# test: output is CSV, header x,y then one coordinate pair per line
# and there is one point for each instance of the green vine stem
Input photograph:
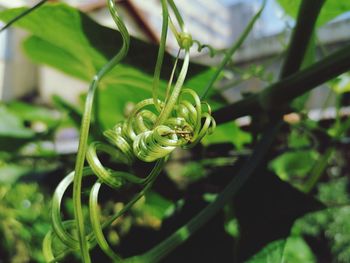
x,y
85,125
301,41
288,88
308,12
161,52
230,52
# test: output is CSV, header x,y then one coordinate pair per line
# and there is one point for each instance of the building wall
x,y
18,76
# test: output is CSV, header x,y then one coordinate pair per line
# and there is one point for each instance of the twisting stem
x,y
85,125
232,50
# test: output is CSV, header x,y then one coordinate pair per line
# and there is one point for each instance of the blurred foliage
x,y
294,164
24,221
341,84
332,223
331,10
229,132
294,249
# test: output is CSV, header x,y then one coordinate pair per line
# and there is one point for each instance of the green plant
x,y
157,125
144,135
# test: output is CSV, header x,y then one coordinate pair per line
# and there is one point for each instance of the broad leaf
x,y
11,173
31,113
153,205
79,47
229,132
330,10
298,163
13,133
294,249
11,125
272,253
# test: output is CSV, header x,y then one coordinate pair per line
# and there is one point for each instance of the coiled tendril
x,y
151,132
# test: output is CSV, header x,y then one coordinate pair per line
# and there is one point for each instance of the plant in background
x,y
24,221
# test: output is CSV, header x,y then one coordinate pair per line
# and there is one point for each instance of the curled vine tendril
x,y
151,132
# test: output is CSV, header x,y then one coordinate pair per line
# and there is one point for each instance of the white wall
x,y
18,76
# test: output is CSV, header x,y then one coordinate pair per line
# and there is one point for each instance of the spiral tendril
x,y
153,130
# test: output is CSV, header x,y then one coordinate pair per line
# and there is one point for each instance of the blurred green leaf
x,y
272,253
155,205
33,113
331,9
9,173
298,139
13,133
12,126
42,51
298,163
79,47
232,227
294,249
341,84
229,132
297,250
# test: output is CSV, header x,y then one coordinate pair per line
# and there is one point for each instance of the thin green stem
x,y
161,52
177,15
20,16
85,126
176,91
232,50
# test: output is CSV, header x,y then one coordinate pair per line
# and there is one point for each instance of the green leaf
x,y
229,132
297,139
11,125
41,51
297,250
341,84
154,205
297,163
11,173
79,47
294,249
331,9
29,112
272,253
13,134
